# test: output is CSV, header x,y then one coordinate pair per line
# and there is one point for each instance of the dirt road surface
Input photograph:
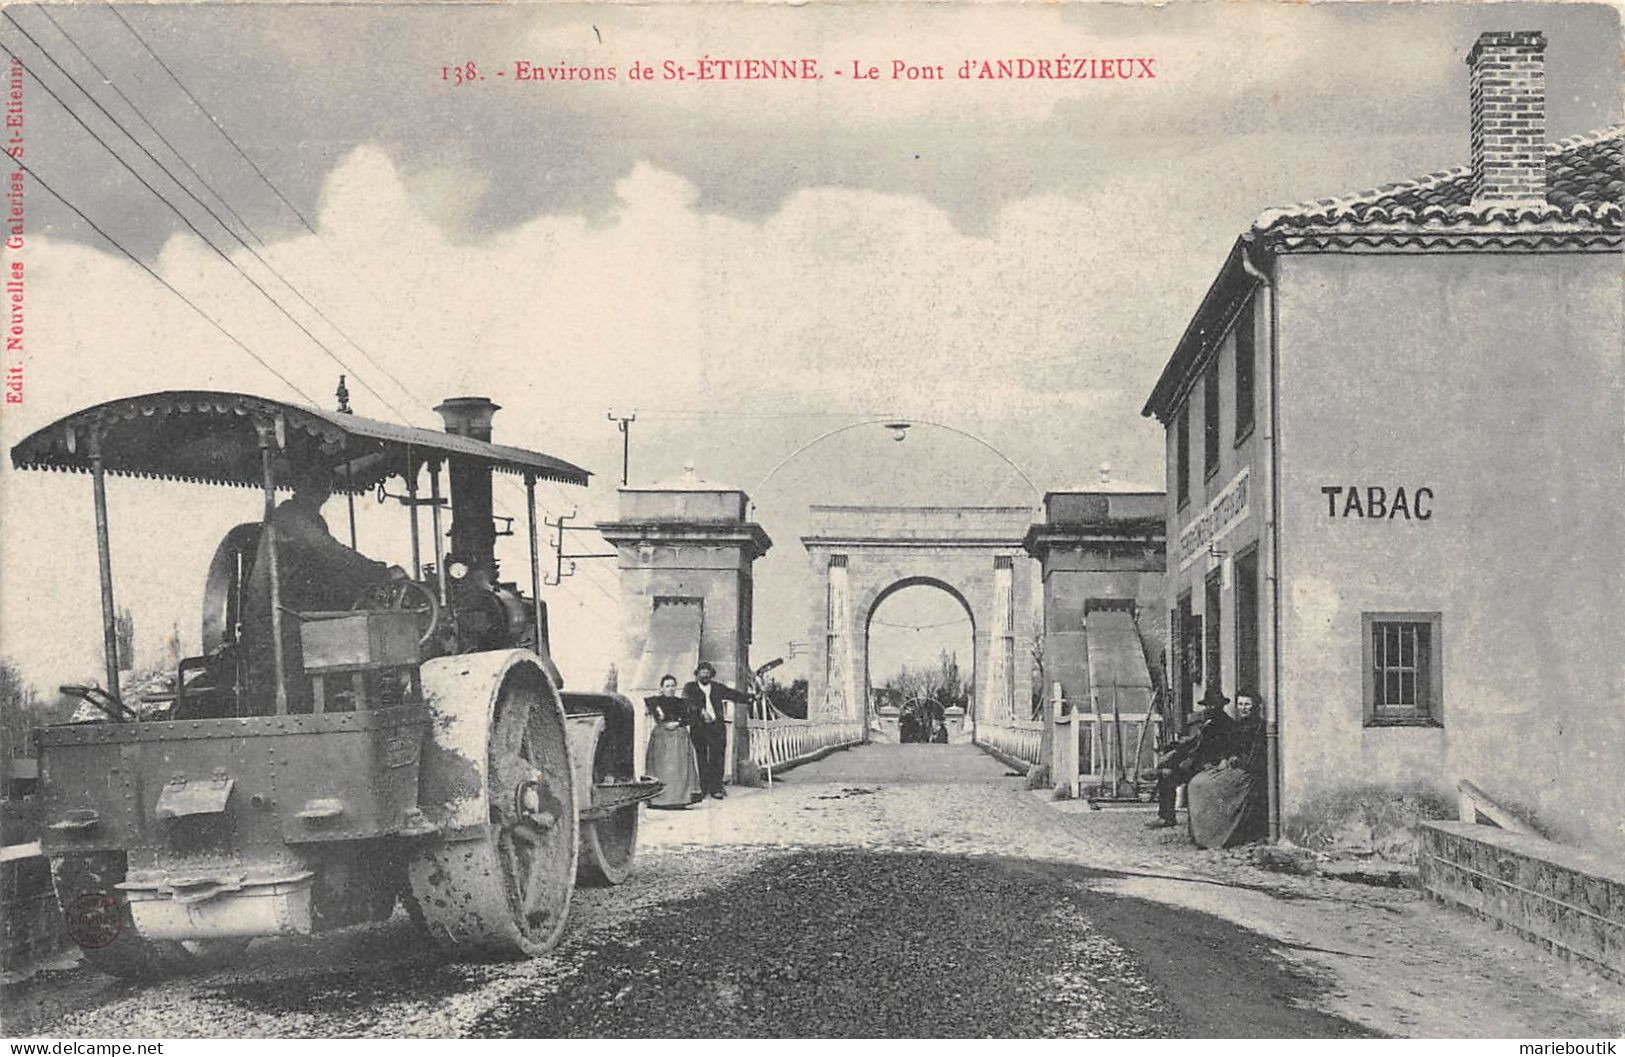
x,y
903,891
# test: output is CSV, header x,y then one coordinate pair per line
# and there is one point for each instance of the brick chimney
x,y
1506,84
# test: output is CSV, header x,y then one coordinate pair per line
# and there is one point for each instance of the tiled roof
x,y
1584,211
1585,179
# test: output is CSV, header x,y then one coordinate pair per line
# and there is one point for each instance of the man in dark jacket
x,y
315,573
1202,747
704,699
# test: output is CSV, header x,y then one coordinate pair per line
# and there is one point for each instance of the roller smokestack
x,y
473,530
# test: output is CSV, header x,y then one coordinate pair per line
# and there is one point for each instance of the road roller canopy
x,y
215,438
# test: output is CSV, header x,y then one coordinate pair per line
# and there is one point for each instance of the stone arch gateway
x,y
862,554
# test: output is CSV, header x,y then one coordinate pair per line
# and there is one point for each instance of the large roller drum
x,y
497,778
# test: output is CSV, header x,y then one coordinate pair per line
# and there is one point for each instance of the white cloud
x,y
841,298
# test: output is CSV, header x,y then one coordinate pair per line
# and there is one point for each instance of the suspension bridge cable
x,y
107,79
193,227
97,228
921,627
218,127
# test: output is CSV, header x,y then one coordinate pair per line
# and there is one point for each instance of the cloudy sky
x,y
748,265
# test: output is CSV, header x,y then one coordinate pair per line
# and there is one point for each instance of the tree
x,y
927,693
124,633
789,700
942,683
19,708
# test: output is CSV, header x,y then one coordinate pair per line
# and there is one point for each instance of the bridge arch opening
x,y
919,647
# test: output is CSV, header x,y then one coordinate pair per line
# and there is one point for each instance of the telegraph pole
x,y
624,423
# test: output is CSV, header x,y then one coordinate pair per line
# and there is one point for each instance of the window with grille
x,y
1402,678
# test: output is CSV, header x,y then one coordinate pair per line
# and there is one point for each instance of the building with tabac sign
x,y
1393,474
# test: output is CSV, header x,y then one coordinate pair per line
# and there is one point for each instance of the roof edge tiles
x,y
1584,187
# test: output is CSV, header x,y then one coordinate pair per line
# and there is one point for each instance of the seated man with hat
x,y
1202,747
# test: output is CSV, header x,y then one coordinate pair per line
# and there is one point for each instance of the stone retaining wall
x,y
1567,900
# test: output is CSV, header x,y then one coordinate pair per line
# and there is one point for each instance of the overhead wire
x,y
176,209
297,292
673,413
207,241
212,120
116,244
108,80
360,378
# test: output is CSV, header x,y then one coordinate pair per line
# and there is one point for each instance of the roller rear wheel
x,y
506,893
608,845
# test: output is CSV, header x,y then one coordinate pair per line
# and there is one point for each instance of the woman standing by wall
x,y
671,750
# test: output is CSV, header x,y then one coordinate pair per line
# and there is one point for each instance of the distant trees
x,y
926,693
940,683
19,707
124,633
789,700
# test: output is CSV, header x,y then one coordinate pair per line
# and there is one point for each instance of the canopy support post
x,y
411,474
268,475
343,394
439,534
104,562
349,499
535,563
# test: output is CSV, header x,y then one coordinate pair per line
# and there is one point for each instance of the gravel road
x,y
893,890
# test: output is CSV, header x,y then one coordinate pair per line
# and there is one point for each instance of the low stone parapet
x,y
1567,900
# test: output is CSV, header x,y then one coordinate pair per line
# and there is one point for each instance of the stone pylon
x,y
686,549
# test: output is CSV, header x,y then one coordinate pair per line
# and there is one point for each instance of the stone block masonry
x,y
1569,901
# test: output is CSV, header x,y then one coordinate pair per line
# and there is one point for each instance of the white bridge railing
x,y
780,743
1020,738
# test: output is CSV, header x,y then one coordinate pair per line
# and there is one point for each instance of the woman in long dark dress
x,y
1227,800
671,750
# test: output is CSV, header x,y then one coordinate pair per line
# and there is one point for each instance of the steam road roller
x,y
353,734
